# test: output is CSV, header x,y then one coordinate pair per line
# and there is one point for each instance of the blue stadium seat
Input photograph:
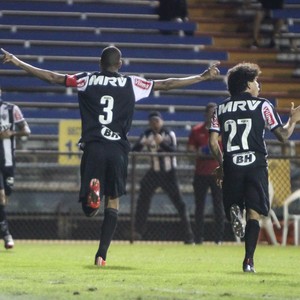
x,y
106,37
295,27
135,67
94,50
94,21
24,81
287,2
51,113
39,97
286,13
78,7
43,129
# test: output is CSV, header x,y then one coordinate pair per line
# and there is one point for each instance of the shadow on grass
x,y
113,268
258,273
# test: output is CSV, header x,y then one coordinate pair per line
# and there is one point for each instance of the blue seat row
x,y
51,113
28,82
286,13
39,97
94,21
295,28
87,6
287,2
200,100
108,37
94,50
137,67
43,129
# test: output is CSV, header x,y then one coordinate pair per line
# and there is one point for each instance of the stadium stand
x,y
68,36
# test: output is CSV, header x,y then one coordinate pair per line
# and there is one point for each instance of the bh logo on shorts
x,y
109,134
244,159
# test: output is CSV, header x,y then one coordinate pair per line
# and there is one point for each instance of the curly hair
x,y
239,76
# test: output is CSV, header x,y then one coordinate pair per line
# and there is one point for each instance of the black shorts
x,y
248,188
108,162
271,4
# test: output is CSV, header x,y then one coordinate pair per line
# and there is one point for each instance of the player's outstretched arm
x,y
46,75
172,83
283,133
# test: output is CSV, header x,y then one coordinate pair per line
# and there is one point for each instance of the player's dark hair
x,y
110,56
239,76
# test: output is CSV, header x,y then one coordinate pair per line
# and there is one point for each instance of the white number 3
x,y
108,103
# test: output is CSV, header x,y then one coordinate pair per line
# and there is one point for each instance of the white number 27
x,y
231,126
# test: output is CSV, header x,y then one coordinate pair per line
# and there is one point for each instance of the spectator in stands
x,y
173,10
12,125
162,173
204,178
265,14
106,102
241,120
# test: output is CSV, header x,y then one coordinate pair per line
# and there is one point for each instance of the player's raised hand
x,y
7,57
295,113
211,72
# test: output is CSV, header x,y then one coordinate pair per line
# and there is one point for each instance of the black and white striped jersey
x,y
10,116
169,144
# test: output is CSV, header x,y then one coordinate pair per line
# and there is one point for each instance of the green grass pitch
x,y
65,270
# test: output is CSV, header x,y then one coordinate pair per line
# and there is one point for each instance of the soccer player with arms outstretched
x,y
106,102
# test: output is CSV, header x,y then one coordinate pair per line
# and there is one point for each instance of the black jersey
x,y
169,144
242,122
106,102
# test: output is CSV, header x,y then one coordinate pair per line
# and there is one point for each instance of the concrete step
x,y
256,56
219,25
288,85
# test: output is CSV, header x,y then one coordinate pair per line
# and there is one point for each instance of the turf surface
x,y
55,270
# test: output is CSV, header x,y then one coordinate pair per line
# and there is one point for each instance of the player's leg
x,y
259,16
92,173
251,237
218,209
148,185
200,186
107,230
233,199
6,183
169,184
8,240
116,160
257,204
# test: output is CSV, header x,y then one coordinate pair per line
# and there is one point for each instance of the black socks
x,y
107,231
251,237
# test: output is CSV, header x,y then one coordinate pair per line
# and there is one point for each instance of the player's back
x,y
242,121
106,105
